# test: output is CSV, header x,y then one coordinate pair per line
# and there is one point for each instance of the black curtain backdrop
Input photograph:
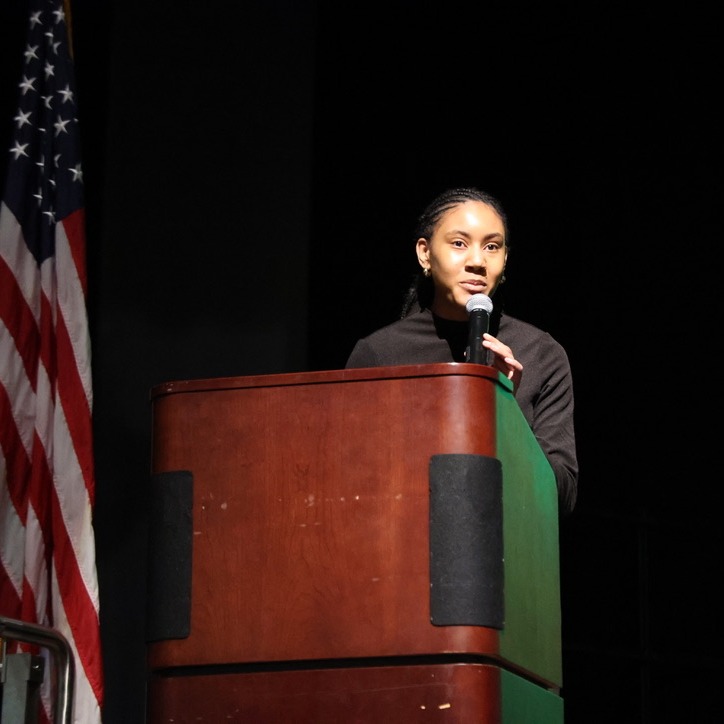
x,y
253,173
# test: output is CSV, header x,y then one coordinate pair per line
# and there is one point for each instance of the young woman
x,y
461,248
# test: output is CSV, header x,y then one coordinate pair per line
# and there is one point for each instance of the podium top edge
x,y
359,374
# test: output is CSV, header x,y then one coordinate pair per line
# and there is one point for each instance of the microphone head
x,y
479,302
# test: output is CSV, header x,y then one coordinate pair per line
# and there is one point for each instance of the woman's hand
x,y
504,360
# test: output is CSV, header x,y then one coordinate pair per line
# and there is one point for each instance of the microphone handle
x,y
477,326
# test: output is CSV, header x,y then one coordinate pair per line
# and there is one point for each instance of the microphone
x,y
479,307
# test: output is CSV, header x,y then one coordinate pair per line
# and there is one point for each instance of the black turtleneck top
x,y
545,393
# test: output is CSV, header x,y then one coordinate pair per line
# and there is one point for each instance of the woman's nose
x,y
476,256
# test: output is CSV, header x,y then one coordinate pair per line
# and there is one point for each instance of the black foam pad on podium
x,y
170,547
466,541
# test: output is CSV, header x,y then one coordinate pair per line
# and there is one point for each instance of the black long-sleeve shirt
x,y
545,393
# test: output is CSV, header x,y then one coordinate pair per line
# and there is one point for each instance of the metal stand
x,y
21,677
22,674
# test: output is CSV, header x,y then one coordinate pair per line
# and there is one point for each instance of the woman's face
x,y
466,255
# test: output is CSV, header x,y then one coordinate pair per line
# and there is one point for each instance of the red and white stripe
x,y
47,487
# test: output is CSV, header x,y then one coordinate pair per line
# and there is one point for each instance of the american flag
x,y
47,485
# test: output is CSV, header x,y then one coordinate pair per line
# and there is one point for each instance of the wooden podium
x,y
364,545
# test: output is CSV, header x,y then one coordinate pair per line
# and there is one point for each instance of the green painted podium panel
x,y
524,702
532,634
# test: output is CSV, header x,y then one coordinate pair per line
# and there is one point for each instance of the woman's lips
x,y
475,286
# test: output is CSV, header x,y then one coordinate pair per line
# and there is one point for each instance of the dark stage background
x,y
252,175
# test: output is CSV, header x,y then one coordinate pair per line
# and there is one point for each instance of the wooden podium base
x,y
370,695
454,693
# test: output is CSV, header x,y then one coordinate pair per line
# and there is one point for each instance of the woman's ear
x,y
423,253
